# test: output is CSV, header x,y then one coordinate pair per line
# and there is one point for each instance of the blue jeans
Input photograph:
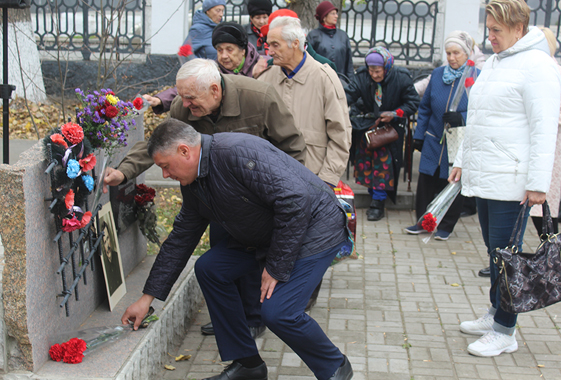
x,y
497,220
283,313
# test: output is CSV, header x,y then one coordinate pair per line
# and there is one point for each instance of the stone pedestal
x,y
30,285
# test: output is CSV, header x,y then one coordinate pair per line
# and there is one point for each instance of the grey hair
x,y
291,30
169,134
205,72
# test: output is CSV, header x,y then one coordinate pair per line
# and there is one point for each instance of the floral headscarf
x,y
388,64
385,53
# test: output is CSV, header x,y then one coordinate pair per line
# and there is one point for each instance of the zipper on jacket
x,y
509,155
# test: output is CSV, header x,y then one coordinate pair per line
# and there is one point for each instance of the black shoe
x,y
256,332
376,211
207,329
345,372
236,371
485,272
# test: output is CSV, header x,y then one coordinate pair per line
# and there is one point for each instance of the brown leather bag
x,y
378,136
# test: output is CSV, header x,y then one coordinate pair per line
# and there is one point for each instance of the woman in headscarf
x,y
259,11
430,138
331,42
385,91
204,21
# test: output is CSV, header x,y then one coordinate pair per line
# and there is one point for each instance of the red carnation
x,y
470,62
74,350
58,139
56,352
429,222
469,82
69,199
185,50
111,112
69,225
138,103
72,132
399,112
85,219
88,163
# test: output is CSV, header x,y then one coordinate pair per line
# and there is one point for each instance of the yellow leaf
x,y
541,365
453,253
169,367
454,284
181,358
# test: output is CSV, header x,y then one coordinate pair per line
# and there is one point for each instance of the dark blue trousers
x,y
497,220
283,313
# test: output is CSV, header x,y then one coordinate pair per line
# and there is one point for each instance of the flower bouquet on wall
x,y
455,136
71,183
105,119
438,208
146,213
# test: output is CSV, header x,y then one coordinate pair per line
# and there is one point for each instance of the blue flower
x,y
88,181
72,169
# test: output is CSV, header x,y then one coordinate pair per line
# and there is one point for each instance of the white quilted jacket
x,y
511,129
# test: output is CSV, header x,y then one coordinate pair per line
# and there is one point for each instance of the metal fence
x,y
90,25
407,28
545,13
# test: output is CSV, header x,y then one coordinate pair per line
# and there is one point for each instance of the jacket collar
x,y
230,106
206,141
301,75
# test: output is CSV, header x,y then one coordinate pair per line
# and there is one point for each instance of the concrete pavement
x,y
396,312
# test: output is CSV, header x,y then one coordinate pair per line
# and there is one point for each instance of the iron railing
x,y
546,13
407,28
90,26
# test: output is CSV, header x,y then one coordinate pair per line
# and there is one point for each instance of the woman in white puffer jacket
x,y
508,149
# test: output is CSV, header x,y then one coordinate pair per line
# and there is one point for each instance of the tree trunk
x,y
24,65
306,10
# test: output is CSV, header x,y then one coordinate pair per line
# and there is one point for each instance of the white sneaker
x,y
480,326
493,344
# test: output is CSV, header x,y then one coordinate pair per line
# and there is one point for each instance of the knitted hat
x,y
460,38
230,32
274,15
323,9
374,59
259,7
208,4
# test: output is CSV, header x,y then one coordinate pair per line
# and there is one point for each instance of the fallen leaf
x,y
541,365
454,284
169,367
181,358
453,253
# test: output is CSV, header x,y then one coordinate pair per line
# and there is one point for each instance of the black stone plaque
x,y
122,203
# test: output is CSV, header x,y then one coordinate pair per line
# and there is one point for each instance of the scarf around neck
x,y
450,74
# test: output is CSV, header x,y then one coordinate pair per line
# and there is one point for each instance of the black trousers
x,y
428,187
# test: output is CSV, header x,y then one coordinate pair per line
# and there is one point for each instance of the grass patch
x,y
168,203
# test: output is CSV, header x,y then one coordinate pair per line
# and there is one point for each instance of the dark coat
x,y
397,92
200,36
333,44
252,39
430,125
267,201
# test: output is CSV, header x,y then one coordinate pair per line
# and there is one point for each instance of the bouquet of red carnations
x,y
438,208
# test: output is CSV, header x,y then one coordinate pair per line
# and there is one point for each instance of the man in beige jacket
x,y
314,95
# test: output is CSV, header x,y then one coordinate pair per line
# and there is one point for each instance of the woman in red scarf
x,y
330,42
259,11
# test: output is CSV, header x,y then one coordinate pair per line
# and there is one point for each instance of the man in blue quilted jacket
x,y
282,219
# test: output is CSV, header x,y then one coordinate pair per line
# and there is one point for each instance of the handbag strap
x,y
547,228
517,230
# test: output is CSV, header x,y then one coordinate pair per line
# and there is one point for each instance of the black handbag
x,y
529,281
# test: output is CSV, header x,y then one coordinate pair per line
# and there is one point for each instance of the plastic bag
x,y
438,208
346,197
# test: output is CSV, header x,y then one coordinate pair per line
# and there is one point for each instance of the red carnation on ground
x,y
85,219
399,112
429,222
470,62
69,199
88,163
138,103
72,132
469,82
185,50
69,225
56,352
58,139
111,112
74,350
